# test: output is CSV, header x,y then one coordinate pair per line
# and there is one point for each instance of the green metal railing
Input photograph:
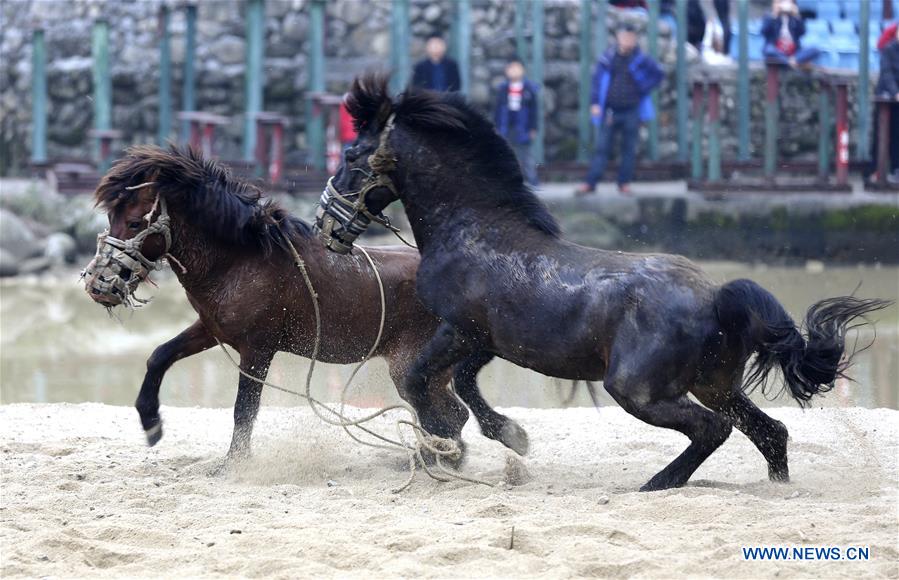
x,y
102,82
165,77
38,97
315,119
537,74
188,94
255,77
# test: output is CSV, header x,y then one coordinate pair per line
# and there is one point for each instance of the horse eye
x,y
352,153
134,225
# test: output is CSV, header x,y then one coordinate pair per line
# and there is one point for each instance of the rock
x,y
9,266
229,49
432,13
294,27
353,13
603,500
60,248
34,265
16,237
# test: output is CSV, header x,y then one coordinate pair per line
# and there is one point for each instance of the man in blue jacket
x,y
515,116
621,100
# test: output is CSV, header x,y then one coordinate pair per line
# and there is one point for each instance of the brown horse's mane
x,y
451,115
204,191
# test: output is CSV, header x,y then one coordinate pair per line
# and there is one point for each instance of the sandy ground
x,y
83,496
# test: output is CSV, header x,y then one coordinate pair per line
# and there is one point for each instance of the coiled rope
x,y
440,447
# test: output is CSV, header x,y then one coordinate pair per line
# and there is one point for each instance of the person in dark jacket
x,y
783,30
621,98
515,115
437,72
888,87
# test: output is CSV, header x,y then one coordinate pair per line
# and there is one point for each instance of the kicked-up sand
x,y
82,496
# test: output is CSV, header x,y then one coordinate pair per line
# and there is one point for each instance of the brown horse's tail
x,y
810,363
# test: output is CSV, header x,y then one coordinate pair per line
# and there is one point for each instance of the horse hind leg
x,y
768,435
494,425
705,429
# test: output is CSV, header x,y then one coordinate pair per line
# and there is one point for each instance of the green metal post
x,y
165,77
824,135
254,74
714,108
864,84
188,98
698,116
399,44
38,98
102,82
586,60
681,80
743,82
772,89
521,45
537,56
462,42
653,34
315,115
602,29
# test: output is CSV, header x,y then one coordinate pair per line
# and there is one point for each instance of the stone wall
x,y
357,38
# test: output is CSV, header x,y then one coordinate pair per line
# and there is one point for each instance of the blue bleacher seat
x,y
817,27
852,10
756,43
844,28
829,9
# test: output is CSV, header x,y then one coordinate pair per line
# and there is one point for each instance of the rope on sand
x,y
440,447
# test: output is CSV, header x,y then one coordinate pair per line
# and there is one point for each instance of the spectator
x,y
695,23
620,97
783,30
516,116
888,87
437,72
716,38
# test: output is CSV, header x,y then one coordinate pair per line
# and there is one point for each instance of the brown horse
x,y
227,248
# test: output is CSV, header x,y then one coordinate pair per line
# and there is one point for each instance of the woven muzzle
x,y
119,266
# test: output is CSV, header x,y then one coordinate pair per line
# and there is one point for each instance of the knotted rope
x,y
440,447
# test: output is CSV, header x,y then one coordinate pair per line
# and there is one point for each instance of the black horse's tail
x,y
810,363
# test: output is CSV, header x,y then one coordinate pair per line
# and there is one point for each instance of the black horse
x,y
497,273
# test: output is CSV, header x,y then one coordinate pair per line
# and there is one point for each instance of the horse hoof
x,y
779,475
154,434
659,484
515,438
454,462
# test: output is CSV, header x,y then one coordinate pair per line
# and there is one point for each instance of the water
x,y
58,346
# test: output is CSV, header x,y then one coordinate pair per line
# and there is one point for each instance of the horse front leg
x,y
255,363
439,410
195,338
494,425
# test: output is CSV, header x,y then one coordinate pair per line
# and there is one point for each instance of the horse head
x,y
138,237
174,204
364,183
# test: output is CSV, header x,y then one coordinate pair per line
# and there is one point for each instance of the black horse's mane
x,y
452,117
226,207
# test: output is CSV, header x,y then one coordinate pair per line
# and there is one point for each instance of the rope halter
x,y
120,265
343,217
